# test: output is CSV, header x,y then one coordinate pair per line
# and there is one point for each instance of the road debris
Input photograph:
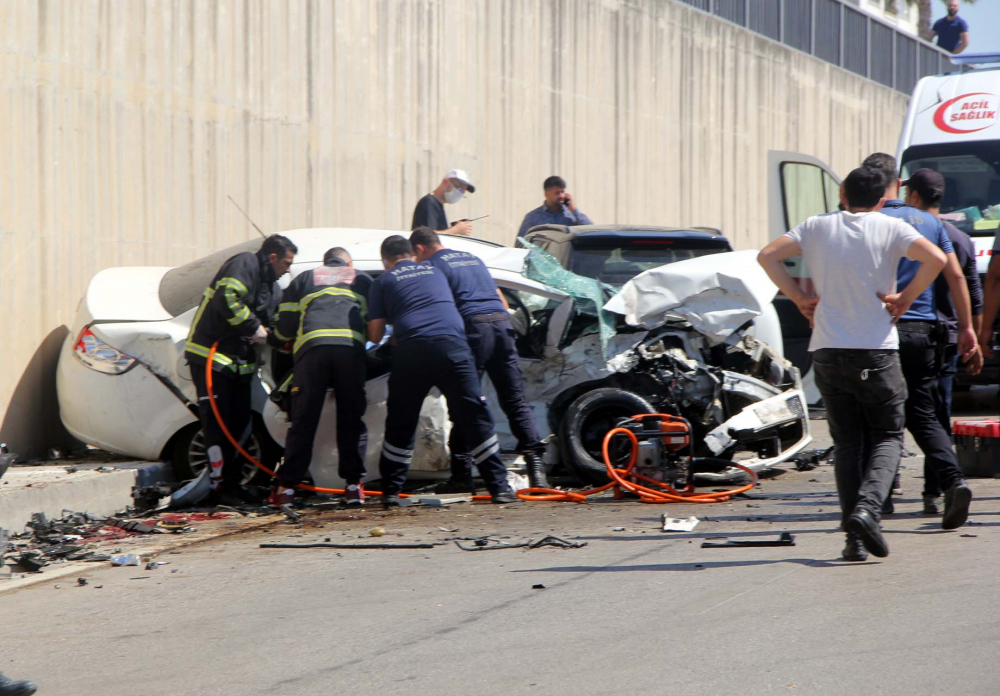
x,y
784,539
674,524
539,586
377,532
489,543
81,581
325,545
810,459
131,559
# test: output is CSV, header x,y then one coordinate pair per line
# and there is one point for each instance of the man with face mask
x,y
952,32
430,209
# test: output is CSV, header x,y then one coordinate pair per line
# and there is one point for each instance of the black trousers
x,y
864,393
232,396
495,353
446,363
918,355
342,368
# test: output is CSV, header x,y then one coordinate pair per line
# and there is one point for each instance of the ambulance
x,y
952,128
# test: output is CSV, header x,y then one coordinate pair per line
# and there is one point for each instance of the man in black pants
x,y
431,351
324,311
920,335
235,312
853,256
925,191
491,338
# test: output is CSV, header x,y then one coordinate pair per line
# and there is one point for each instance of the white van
x,y
952,128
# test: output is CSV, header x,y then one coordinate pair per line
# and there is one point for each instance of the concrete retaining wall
x,y
125,124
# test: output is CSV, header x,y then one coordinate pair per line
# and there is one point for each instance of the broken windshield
x,y
589,294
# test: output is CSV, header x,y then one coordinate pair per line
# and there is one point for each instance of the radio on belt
x,y
977,443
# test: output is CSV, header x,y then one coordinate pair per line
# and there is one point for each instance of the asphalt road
x,y
637,611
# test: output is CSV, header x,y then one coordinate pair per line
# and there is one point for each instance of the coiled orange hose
x,y
666,494
663,493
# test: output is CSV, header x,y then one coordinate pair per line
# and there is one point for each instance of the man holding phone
x,y
559,208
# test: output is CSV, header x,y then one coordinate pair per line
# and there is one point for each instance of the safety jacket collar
x,y
266,269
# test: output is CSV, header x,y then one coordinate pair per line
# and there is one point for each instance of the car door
x,y
799,186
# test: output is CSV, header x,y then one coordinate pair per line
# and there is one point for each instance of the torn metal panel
x,y
717,294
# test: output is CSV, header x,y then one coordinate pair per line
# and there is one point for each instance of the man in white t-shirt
x,y
853,256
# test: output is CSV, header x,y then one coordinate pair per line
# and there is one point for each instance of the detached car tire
x,y
587,421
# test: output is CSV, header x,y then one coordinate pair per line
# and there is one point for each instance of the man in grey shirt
x,y
853,256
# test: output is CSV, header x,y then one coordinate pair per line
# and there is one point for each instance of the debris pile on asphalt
x,y
77,536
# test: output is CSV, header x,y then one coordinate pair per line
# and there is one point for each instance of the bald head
x,y
338,253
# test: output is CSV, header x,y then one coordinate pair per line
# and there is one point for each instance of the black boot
x,y
16,688
536,470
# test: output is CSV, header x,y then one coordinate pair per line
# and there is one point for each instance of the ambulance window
x,y
804,192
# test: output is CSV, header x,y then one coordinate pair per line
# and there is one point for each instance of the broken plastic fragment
x,y
674,524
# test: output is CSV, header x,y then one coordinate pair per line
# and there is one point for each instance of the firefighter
x,y
430,351
491,338
235,311
323,312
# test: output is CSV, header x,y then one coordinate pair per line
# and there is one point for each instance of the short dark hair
x,y
336,253
425,236
554,182
883,163
278,244
395,246
864,187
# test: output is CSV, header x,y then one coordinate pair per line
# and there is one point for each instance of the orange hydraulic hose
x,y
664,493
667,494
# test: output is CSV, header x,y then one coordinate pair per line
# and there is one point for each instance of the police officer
x,y
430,351
235,311
324,311
491,338
920,335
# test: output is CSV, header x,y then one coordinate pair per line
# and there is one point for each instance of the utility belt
x,y
489,318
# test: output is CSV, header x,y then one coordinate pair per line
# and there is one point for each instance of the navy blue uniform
x,y
430,351
919,335
491,338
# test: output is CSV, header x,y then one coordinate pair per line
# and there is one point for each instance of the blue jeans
x,y
864,393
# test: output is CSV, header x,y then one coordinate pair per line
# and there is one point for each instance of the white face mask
x,y
454,196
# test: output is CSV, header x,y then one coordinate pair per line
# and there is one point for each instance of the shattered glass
x,y
589,294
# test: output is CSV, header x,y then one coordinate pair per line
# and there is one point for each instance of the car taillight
x,y
99,356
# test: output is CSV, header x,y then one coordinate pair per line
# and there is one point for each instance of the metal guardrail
x,y
834,31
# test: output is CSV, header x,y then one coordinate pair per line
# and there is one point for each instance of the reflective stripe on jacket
x,y
325,306
232,308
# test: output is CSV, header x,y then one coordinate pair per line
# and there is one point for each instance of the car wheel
x,y
190,455
587,421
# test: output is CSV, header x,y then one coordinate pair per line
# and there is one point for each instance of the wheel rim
x,y
198,456
593,430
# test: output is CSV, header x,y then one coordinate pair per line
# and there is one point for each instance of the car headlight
x,y
99,356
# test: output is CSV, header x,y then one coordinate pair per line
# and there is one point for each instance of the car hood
x,y
717,294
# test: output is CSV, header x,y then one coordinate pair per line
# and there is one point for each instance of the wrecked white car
x,y
124,386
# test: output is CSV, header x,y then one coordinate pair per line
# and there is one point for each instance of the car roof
x,y
630,231
365,244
